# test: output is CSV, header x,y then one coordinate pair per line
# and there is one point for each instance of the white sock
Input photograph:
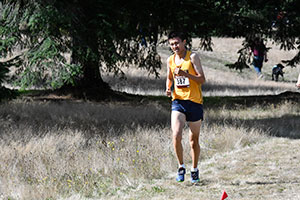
x,y
181,166
194,169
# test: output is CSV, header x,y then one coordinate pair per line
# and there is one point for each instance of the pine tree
x,y
67,43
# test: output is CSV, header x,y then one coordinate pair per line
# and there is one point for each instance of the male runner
x,y
184,70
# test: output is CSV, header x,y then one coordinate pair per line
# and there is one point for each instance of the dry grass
x,y
86,150
221,81
55,150
116,151
63,163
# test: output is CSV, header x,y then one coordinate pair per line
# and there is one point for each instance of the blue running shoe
x,y
180,174
195,176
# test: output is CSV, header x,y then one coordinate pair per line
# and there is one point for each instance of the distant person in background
x,y
298,82
276,71
259,51
184,69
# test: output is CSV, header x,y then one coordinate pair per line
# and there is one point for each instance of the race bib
x,y
182,81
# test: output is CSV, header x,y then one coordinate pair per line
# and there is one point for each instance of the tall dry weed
x,y
65,162
58,150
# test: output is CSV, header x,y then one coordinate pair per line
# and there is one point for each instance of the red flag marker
x,y
224,195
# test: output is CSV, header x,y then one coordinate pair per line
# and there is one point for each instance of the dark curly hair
x,y
179,34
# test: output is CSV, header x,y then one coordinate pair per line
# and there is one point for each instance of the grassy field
x,y
221,81
122,150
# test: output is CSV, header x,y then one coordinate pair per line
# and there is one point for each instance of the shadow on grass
x,y
136,111
287,126
92,119
247,101
284,126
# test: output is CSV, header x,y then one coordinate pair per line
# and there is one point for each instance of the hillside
x,y
221,81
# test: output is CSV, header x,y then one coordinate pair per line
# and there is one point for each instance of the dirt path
x,y
269,170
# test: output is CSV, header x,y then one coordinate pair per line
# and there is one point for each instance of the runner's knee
x,y
177,136
194,142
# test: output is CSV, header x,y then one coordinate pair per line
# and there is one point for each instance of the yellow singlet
x,y
185,88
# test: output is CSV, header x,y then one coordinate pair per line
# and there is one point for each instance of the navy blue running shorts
x,y
193,111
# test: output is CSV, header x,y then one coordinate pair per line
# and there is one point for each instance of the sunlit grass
x,y
220,80
66,162
58,150
86,150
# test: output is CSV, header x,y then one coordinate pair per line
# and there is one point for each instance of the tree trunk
x,y
90,85
85,52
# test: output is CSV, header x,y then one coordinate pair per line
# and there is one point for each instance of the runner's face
x,y
177,45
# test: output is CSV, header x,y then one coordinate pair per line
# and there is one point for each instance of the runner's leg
x,y
194,141
177,123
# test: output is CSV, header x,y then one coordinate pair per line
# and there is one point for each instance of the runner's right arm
x,y
169,80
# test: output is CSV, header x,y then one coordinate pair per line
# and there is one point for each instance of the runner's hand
x,y
179,72
168,92
176,71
